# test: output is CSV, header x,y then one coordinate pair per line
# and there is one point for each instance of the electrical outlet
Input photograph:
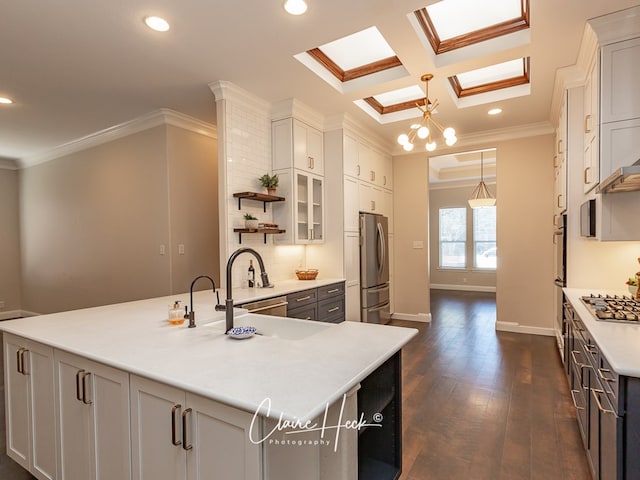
x,y
1,304
181,249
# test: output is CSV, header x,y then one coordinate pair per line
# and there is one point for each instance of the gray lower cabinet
x,y
325,304
607,404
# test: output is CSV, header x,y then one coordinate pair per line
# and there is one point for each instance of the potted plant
x,y
250,221
270,182
632,284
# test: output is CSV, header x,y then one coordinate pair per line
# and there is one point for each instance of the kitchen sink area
x,y
275,327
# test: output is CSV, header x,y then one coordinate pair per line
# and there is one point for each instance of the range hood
x,y
624,179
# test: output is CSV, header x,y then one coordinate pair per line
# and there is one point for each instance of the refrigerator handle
x,y
382,249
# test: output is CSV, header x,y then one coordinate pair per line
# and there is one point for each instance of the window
x,y
484,237
453,237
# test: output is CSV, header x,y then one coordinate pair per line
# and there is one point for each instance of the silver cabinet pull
x,y
185,445
302,299
333,290
573,398
334,309
174,441
575,360
373,175
78,391
25,364
384,180
560,146
358,169
596,393
20,363
592,349
586,175
260,309
84,389
559,202
587,124
602,371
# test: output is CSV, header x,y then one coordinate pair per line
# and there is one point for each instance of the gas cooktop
x,y
608,308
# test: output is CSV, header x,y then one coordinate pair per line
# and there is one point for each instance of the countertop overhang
x,y
297,378
618,342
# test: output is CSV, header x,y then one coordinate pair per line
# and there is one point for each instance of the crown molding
x,y
348,122
149,120
224,90
617,26
292,107
8,164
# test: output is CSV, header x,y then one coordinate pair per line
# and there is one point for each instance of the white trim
x,y
149,120
465,288
8,164
292,107
16,314
224,90
347,122
517,328
412,317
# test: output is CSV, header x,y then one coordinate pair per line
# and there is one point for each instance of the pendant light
x,y
425,128
481,196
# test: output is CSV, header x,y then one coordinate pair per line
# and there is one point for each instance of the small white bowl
x,y
241,332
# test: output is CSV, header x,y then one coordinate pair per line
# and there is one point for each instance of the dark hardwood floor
x,y
485,405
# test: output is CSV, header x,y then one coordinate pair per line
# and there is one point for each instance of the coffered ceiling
x,y
74,68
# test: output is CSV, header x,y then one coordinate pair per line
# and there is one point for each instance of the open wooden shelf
x,y
258,197
264,231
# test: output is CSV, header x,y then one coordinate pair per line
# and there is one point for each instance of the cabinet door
x,y
93,419
156,431
221,440
352,275
366,197
386,179
350,153
351,205
620,73
591,166
17,402
307,148
317,209
620,145
30,420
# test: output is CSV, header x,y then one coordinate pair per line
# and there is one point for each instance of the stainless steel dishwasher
x,y
276,306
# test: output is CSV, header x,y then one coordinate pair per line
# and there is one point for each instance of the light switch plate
x,y
417,244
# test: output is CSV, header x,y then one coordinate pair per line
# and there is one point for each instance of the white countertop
x,y
618,342
300,377
245,294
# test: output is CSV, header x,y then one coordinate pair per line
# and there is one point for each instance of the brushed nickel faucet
x,y
229,300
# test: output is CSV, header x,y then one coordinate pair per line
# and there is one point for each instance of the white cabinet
x,y
302,213
559,159
351,156
591,122
351,205
93,419
620,145
620,73
177,435
296,144
352,275
30,411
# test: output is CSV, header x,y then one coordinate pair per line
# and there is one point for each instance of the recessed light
x,y
157,23
5,100
494,111
295,7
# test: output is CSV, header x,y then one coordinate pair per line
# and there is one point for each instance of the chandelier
x,y
425,128
481,196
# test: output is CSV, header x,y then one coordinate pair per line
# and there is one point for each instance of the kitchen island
x,y
117,392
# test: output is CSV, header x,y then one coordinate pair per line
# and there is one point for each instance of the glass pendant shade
x,y
481,196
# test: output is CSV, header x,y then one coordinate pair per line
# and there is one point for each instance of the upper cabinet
x,y
297,145
591,165
366,163
559,159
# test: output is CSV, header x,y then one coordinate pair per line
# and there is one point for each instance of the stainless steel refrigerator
x,y
374,269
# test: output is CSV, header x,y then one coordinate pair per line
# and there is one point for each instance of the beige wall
x,y
9,240
411,217
93,222
193,213
466,279
524,233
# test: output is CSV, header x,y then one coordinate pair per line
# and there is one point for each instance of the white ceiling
x,y
77,67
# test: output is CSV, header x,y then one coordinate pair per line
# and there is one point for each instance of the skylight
x,y
357,56
494,77
453,24
396,100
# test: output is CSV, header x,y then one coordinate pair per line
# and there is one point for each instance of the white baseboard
x,y
517,328
11,314
466,288
412,317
